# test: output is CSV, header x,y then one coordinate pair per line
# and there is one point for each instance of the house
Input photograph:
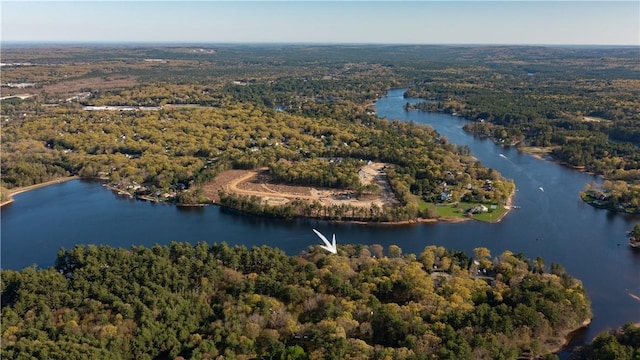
x,y
445,195
477,210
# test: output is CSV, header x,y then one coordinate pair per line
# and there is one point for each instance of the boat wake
x,y
633,296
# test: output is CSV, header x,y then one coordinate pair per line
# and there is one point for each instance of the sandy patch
x,y
593,119
259,183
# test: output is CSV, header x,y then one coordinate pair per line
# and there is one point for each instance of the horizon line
x,y
329,43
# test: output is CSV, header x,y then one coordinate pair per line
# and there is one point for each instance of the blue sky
x,y
405,22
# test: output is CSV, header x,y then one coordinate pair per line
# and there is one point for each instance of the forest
x,y
577,105
214,301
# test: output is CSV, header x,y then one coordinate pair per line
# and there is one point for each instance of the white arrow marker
x,y
332,248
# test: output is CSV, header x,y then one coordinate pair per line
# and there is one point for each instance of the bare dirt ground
x,y
95,83
70,87
258,183
593,119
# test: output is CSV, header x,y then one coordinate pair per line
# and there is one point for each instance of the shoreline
x,y
24,189
401,222
567,336
582,169
415,221
547,157
508,206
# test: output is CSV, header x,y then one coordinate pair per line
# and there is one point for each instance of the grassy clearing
x,y
450,211
492,215
458,211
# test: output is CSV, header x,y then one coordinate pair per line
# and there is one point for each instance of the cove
x,y
554,224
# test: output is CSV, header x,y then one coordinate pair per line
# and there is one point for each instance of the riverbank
x,y
450,220
564,339
544,153
20,190
122,192
595,198
508,207
289,216
404,222
604,200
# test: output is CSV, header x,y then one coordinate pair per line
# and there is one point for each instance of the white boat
x,y
541,189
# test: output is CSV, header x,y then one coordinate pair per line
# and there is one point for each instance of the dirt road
x,y
258,183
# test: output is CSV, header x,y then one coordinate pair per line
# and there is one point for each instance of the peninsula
x,y
308,143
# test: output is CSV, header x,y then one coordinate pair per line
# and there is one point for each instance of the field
x,y
458,211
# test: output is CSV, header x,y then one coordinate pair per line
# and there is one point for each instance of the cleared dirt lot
x,y
95,83
70,87
258,183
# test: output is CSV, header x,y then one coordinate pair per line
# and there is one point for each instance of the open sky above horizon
x,y
387,22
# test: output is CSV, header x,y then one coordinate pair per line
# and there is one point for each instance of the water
x,y
554,224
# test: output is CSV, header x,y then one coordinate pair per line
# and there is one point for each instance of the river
x,y
552,222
